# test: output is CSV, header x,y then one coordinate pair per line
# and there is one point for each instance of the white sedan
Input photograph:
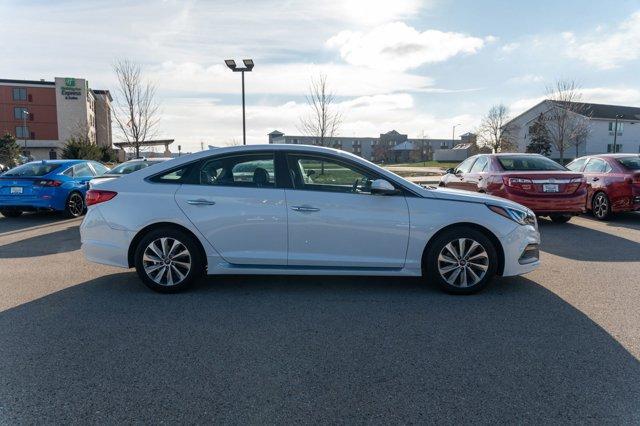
x,y
304,210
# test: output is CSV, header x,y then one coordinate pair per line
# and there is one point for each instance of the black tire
x,y
163,284
560,218
601,206
434,263
75,205
10,213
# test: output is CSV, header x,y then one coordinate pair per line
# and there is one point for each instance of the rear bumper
x,y
32,205
103,244
570,204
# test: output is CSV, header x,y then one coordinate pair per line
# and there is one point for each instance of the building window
x,y
610,147
22,132
443,145
19,93
612,126
53,155
19,113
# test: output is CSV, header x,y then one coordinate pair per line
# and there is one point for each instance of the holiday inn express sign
x,y
69,89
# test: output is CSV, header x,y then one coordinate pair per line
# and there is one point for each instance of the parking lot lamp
x,y
248,66
615,132
453,135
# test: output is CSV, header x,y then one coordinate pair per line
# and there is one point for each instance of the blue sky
x,y
415,66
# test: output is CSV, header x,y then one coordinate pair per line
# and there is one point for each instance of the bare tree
x,y
136,111
495,131
323,119
567,119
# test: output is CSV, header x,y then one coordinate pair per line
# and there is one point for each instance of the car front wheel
x,y
462,261
168,260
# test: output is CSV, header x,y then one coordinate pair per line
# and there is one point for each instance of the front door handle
x,y
201,202
305,209
595,179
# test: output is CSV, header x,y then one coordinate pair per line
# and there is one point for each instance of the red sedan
x,y
613,182
532,180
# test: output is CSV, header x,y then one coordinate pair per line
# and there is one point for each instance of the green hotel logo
x,y
71,82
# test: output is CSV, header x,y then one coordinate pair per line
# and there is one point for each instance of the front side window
x,y
19,93
465,166
480,165
576,165
82,170
251,170
595,165
318,173
528,163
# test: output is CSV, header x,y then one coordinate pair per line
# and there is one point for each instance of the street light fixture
x,y
615,132
248,66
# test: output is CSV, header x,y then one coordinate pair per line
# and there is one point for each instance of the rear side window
x,y
82,170
528,163
179,175
32,169
99,168
631,163
576,165
250,170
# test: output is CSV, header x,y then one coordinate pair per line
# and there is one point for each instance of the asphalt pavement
x,y
83,343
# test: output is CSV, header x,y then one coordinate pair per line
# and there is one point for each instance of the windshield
x,y
528,163
631,163
126,168
32,169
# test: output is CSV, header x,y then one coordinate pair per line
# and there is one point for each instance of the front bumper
x,y
102,243
521,251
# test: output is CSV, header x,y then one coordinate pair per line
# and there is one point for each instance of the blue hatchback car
x,y
53,185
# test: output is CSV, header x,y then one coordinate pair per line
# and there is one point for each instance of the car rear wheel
x,y
168,260
560,218
75,206
10,213
462,261
600,206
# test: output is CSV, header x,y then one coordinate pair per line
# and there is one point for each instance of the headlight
x,y
523,217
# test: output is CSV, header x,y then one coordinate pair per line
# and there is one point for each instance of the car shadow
x,y
61,241
578,242
298,349
629,220
30,220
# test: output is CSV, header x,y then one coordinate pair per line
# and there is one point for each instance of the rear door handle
x,y
595,179
201,202
305,209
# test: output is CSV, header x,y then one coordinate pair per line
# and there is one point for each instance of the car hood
x,y
472,197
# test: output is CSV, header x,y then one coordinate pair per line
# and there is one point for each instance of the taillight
x,y
96,196
574,184
636,178
48,182
520,183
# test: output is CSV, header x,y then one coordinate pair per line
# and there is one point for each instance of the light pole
x,y
615,132
25,113
453,135
248,66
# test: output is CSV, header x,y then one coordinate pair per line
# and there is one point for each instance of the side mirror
x,y
450,171
382,187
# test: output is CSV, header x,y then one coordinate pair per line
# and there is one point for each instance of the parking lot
x,y
86,343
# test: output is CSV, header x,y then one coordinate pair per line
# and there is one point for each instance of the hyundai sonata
x,y
306,210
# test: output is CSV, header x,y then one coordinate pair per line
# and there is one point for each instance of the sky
x,y
419,67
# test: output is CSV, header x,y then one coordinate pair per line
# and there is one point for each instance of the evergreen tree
x,y
9,150
540,139
76,148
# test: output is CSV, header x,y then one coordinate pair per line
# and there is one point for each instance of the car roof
x,y
148,160
60,162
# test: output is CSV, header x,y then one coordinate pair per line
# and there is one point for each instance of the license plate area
x,y
550,187
16,190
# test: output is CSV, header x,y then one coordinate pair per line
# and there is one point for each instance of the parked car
x,y
613,182
532,180
126,168
58,185
295,209
3,168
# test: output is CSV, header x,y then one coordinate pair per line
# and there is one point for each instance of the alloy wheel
x,y
75,205
166,261
600,205
463,262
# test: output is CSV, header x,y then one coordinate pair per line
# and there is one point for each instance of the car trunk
x,y
543,183
19,188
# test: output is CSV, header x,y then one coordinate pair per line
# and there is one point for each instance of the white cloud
x,y
607,50
510,47
284,79
397,46
526,79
